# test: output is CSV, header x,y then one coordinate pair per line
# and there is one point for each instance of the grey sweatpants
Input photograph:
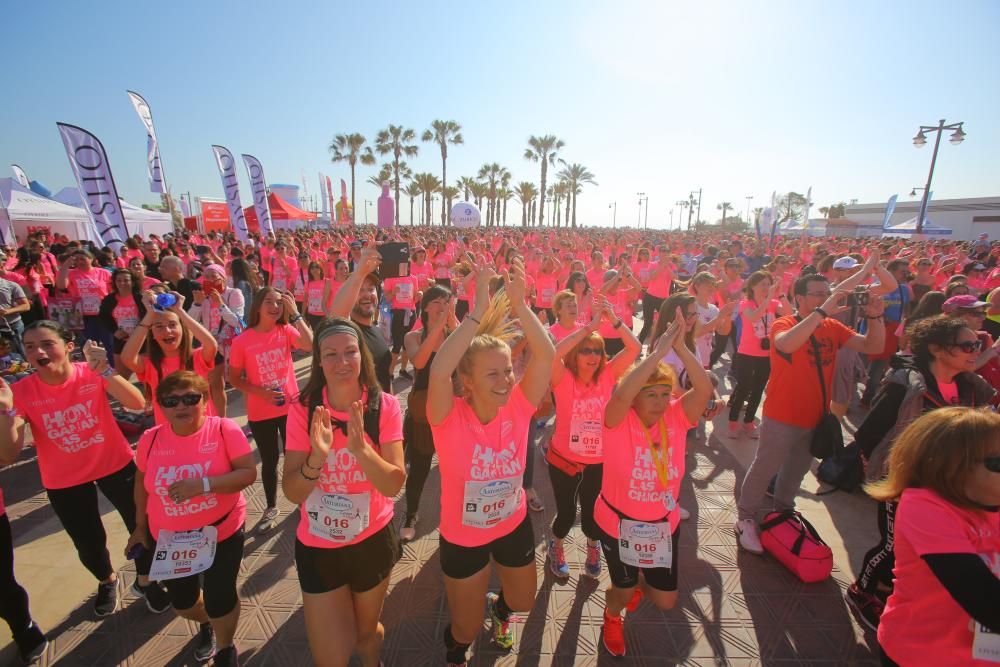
x,y
782,449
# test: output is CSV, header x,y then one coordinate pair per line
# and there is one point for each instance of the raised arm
x,y
535,382
566,345
630,386
344,300
133,346
11,427
209,346
695,399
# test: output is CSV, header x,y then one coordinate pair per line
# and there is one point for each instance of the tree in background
x,y
756,220
412,190
543,149
429,185
350,148
385,174
525,193
465,185
450,194
504,193
575,175
724,206
790,206
397,141
444,132
478,191
493,176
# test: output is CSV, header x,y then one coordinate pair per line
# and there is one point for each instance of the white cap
x,y
845,263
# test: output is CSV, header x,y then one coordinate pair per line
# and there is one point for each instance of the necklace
x,y
658,450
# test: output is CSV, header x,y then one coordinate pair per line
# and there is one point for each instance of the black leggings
x,y
265,434
13,598
416,478
650,305
877,566
80,515
751,377
720,344
585,487
402,322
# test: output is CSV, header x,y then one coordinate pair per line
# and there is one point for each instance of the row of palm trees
x,y
491,187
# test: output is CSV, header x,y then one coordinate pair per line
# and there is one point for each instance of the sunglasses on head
x,y
189,400
591,351
992,463
969,346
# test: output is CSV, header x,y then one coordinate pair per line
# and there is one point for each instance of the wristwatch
x,y
206,487
108,372
294,319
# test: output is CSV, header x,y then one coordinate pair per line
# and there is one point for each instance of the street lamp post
x,y
699,204
748,198
367,204
913,192
638,221
957,137
614,213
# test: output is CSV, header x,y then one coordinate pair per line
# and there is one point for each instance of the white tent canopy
x,y
25,210
139,220
910,227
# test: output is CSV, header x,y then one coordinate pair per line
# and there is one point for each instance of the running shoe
x,y
865,607
749,536
557,560
31,643
268,520
157,600
107,599
734,430
750,428
593,565
227,657
408,531
614,635
503,634
633,604
534,502
205,648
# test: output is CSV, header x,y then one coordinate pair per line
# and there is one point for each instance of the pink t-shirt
x,y
659,285
643,271
751,333
402,292
630,481
422,271
282,272
545,290
75,433
922,624
442,265
342,473
126,313
90,287
314,297
470,451
165,457
171,365
580,416
596,278
267,360
559,332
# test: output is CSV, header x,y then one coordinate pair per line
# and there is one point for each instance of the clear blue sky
x,y
737,98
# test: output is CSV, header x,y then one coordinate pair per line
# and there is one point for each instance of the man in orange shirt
x,y
793,405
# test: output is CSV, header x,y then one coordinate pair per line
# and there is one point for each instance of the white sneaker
x,y
685,515
749,536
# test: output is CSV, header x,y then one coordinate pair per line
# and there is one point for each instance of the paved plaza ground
x,y
734,608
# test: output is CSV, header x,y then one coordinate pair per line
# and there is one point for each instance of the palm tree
x,y
525,193
397,141
449,193
465,185
444,132
350,148
492,176
385,174
558,192
724,206
478,191
575,176
428,184
412,190
504,193
543,149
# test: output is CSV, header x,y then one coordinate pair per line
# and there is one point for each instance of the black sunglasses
x,y
189,400
969,346
592,351
992,463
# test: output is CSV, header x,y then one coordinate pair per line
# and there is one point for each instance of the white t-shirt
x,y
674,361
704,342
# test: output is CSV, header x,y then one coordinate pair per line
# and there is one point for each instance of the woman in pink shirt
x,y
170,348
121,312
442,262
637,509
482,445
88,285
944,471
343,466
219,308
261,366
80,449
582,381
189,495
546,286
316,301
578,284
564,307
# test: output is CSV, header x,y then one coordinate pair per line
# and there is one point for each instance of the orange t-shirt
x,y
793,392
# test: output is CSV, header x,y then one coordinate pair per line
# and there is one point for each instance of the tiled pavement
x,y
734,608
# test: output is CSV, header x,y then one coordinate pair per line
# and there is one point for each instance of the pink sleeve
x,y
201,365
142,450
298,433
236,442
931,526
237,354
390,422
292,333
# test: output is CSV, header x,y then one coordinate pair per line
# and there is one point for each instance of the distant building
x,y
966,218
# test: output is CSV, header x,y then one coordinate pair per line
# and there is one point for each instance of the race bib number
x,y
585,437
183,553
90,305
645,544
338,517
128,324
280,283
404,293
488,503
316,305
546,296
986,645
644,275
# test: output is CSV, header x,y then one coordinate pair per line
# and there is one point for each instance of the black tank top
x,y
423,377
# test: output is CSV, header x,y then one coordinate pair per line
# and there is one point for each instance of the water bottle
x,y
278,387
164,301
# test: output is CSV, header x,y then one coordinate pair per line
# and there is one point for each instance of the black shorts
x,y
218,582
515,549
361,566
627,576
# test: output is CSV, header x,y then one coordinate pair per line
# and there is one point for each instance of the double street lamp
x,y
957,137
614,213
643,198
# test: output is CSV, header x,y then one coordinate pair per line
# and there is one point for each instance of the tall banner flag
x,y
185,209
329,198
152,147
805,213
259,190
231,186
322,195
89,162
890,207
21,177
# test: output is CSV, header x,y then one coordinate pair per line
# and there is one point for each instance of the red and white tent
x,y
283,214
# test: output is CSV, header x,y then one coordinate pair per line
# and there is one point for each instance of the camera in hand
x,y
395,260
859,297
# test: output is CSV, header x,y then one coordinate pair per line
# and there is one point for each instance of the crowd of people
x,y
496,333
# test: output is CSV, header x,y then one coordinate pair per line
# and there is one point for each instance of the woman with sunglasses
x,y
80,449
944,478
582,381
88,284
344,478
661,277
973,311
189,497
261,366
645,429
578,284
939,373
